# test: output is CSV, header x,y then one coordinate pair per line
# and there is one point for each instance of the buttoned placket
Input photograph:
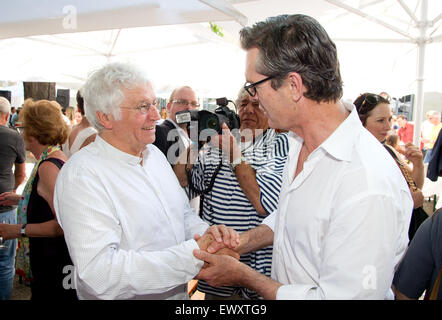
x,y
291,185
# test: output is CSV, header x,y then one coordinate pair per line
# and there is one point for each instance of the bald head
x,y
182,98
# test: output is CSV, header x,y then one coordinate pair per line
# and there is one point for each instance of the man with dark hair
x,y
12,155
13,111
82,134
406,129
344,208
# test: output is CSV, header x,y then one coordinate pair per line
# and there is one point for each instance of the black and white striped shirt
x,y
227,204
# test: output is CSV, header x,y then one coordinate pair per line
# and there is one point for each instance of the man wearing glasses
x,y
126,220
344,209
169,133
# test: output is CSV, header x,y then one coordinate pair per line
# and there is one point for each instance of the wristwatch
x,y
23,230
237,162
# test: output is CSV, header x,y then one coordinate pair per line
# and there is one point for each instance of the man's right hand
x,y
9,199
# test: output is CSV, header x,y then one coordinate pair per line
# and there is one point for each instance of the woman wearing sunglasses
x,y
375,114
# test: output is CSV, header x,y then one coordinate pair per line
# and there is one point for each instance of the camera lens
x,y
210,121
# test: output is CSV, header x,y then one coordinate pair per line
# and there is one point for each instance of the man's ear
x,y
296,86
104,119
6,117
168,106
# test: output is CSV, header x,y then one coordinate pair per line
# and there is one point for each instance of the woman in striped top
x,y
247,185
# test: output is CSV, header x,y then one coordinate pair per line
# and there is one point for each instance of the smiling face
x,y
379,121
135,130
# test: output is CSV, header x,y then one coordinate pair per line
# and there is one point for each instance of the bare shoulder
x,y
89,140
48,167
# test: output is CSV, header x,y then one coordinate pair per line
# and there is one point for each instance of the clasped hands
x,y
219,239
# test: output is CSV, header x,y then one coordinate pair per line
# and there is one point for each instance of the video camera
x,y
210,123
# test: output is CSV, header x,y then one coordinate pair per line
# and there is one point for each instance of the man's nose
x,y
249,108
155,114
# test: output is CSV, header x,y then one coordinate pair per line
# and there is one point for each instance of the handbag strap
x,y
404,170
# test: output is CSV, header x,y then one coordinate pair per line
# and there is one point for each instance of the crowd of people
x,y
312,197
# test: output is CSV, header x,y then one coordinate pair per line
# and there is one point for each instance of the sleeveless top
x,y
48,256
79,139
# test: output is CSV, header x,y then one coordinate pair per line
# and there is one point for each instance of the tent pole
x,y
369,17
419,106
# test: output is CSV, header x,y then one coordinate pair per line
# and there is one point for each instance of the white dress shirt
x,y
342,224
129,228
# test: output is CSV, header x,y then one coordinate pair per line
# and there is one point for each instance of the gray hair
x,y
103,89
241,95
296,43
433,113
5,106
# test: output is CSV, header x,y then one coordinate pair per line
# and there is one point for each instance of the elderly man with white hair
x,y
127,222
12,154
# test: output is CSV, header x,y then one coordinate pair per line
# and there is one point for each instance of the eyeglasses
x,y
193,104
144,108
251,87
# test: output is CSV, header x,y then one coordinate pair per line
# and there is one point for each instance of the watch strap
x,y
23,230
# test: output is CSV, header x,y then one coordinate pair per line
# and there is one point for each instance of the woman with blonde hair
x,y
41,239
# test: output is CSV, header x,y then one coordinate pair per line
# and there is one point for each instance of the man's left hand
x,y
225,237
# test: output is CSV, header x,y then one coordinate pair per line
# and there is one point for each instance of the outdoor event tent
x,y
383,45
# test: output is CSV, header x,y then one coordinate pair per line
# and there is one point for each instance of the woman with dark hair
x,y
41,239
375,114
82,134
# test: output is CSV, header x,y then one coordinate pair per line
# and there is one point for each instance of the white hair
x,y
5,106
103,89
242,93
433,113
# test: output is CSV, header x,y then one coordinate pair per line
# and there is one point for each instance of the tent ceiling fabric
x,y
172,40
65,16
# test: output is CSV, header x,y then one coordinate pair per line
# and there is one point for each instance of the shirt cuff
x,y
270,220
296,292
196,262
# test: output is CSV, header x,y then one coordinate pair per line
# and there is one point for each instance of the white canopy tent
x,y
382,44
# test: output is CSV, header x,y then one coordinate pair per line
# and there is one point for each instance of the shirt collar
x,y
340,143
114,153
